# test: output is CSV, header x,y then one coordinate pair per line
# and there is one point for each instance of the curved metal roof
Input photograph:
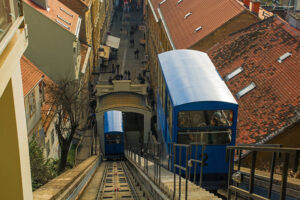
x,y
113,121
192,77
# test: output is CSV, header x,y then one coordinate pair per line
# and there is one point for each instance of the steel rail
x,y
126,171
102,182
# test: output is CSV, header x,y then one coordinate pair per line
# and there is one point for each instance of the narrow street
x,y
126,26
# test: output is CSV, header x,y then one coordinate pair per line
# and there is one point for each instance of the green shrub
x,y
41,171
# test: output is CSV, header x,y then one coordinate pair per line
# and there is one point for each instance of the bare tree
x,y
67,99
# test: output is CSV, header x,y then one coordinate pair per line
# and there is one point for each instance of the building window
x,y
205,137
32,104
9,11
52,137
170,117
47,149
41,91
205,118
26,102
163,95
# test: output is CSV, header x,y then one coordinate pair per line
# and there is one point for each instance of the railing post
x,y
159,164
272,174
251,180
230,161
139,158
187,171
195,164
284,176
174,170
202,164
180,151
296,162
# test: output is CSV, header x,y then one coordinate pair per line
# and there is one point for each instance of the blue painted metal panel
x,y
114,150
193,83
113,121
191,77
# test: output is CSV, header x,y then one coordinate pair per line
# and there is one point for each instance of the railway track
x,y
118,183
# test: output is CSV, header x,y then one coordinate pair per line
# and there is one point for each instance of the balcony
x,y
10,12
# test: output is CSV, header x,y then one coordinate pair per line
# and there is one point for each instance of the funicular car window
x,y
113,138
204,118
212,137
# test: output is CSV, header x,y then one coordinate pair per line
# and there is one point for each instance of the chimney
x,y
294,19
42,3
254,6
246,3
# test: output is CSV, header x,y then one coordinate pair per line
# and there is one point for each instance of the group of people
x,y
126,76
131,5
132,30
115,69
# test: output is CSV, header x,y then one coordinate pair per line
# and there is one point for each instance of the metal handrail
x,y
181,168
287,152
135,155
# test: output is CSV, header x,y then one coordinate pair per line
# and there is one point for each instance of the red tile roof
x,y
79,6
274,104
86,2
31,76
59,13
209,14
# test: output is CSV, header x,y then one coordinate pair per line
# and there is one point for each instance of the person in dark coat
x,y
136,53
118,67
128,74
113,68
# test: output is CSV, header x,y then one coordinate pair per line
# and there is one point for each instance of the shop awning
x,y
113,41
104,53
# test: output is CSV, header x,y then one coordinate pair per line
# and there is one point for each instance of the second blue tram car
x,y
113,135
195,107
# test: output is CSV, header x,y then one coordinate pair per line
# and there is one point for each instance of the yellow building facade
x,y
15,178
156,40
101,17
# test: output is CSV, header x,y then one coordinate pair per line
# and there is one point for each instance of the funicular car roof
x,y
191,77
113,121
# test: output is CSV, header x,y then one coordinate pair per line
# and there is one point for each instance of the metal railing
x,y
150,153
195,162
237,151
181,168
191,160
176,163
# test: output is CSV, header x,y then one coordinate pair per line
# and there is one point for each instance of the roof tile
x,y
208,14
31,76
59,13
275,102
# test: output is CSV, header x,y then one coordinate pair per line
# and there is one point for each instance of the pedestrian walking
x,y
136,53
131,33
132,43
128,74
118,67
110,80
113,68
